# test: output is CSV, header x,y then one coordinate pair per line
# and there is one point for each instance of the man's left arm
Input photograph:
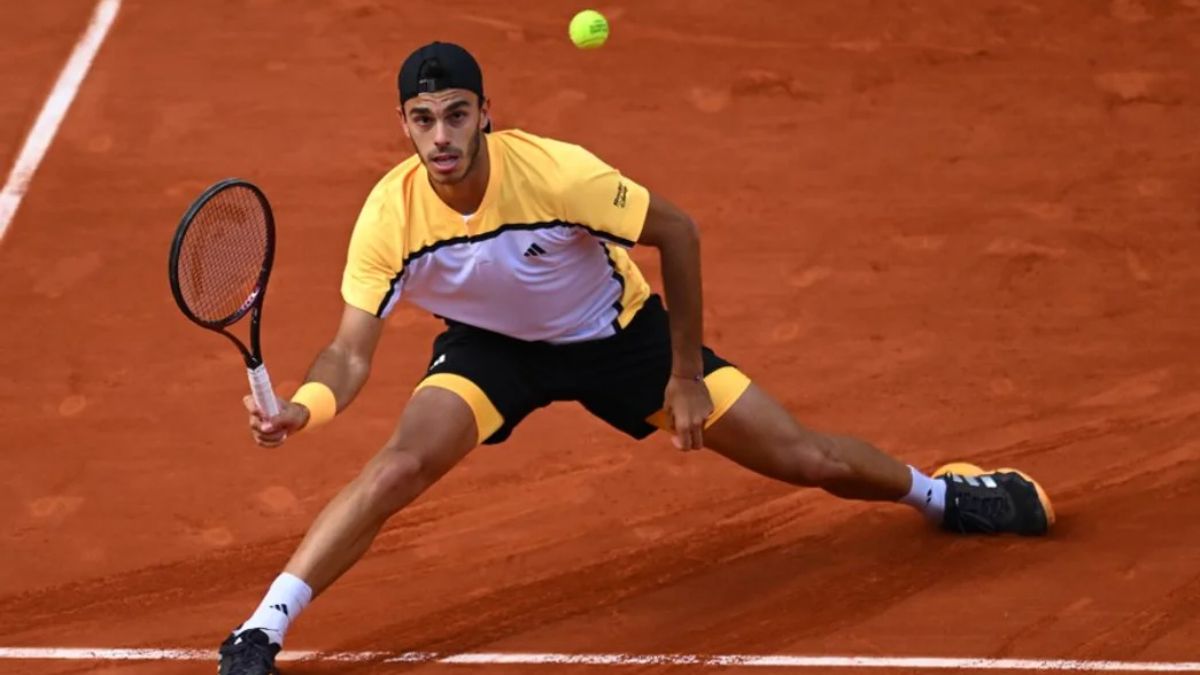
x,y
686,402
597,196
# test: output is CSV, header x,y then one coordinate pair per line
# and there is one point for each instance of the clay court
x,y
964,231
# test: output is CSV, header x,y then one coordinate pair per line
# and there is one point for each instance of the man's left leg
x,y
759,434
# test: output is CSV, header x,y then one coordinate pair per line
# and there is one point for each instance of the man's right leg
x,y
436,430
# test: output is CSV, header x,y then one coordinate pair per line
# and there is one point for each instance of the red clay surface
x,y
35,39
961,230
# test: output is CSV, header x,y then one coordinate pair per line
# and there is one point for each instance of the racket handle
x,y
264,395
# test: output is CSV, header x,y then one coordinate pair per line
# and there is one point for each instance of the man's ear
x,y
403,120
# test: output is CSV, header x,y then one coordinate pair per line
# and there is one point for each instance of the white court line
x,y
558,659
53,111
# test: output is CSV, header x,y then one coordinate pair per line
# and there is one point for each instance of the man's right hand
x,y
271,433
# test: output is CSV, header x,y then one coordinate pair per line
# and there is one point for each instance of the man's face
x,y
446,129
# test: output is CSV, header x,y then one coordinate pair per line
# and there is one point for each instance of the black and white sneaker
x,y
250,652
993,502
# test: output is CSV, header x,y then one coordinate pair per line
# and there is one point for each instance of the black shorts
x,y
620,379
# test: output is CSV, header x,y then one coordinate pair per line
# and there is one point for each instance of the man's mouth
x,y
444,163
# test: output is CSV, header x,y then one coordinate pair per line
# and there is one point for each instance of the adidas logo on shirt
x,y
534,251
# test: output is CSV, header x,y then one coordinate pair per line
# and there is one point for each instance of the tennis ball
x,y
589,29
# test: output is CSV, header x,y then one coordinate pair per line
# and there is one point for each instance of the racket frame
x,y
260,381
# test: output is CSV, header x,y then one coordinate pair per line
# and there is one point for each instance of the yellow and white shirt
x,y
543,258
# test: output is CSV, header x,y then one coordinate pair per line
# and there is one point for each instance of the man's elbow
x,y
677,229
355,358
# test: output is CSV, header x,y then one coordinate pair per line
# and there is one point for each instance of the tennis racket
x,y
220,262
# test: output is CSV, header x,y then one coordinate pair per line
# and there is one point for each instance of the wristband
x,y
320,401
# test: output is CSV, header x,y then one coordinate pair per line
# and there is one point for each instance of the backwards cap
x,y
438,66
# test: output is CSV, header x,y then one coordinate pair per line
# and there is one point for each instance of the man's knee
x,y
395,477
811,459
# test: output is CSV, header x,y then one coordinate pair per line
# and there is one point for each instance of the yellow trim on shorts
x,y
725,386
487,418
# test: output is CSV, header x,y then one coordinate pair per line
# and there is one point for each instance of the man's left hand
x,y
687,404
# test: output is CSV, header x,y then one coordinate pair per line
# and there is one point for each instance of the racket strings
x,y
222,256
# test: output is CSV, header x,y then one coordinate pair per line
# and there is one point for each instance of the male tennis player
x,y
519,243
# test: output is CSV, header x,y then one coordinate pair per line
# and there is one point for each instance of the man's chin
x,y
446,179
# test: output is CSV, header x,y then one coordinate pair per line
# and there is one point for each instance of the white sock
x,y
927,495
284,601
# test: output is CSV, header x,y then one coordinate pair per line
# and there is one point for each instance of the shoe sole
x,y
967,469
960,468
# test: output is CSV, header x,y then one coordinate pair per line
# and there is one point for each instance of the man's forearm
x,y
341,371
680,253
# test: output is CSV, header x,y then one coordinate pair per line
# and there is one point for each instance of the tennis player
x,y
519,243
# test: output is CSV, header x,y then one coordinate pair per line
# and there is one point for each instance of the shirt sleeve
x,y
598,197
371,280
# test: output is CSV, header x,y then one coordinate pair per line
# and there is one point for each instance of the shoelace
x,y
982,506
250,656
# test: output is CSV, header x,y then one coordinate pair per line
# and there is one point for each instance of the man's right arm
x,y
345,364
369,288
335,378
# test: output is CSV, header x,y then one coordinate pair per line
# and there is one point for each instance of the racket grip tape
x,y
263,393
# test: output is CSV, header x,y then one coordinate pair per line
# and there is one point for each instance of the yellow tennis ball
x,y
589,29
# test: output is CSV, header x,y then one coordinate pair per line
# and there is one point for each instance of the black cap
x,y
438,66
